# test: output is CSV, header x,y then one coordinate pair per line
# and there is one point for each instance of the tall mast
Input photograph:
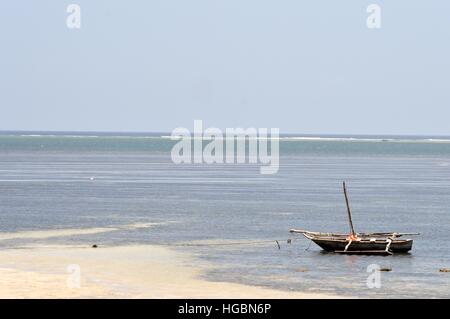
x,y
348,210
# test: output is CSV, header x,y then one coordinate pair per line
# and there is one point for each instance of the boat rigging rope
x,y
309,245
249,242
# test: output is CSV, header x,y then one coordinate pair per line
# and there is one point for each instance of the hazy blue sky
x,y
302,66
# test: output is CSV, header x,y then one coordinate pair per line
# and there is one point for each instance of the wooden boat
x,y
360,243
370,243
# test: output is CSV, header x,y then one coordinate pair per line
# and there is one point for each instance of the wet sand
x,y
44,234
116,272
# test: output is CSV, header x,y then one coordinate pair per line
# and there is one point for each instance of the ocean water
x,y
229,215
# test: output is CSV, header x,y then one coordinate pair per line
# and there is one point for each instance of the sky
x,y
153,65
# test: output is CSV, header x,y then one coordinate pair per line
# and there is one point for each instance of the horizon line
x,y
169,133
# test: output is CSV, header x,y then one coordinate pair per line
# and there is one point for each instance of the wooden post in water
x,y
348,210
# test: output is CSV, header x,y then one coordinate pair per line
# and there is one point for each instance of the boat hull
x,y
340,245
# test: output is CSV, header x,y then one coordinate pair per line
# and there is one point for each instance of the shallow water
x,y
403,185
